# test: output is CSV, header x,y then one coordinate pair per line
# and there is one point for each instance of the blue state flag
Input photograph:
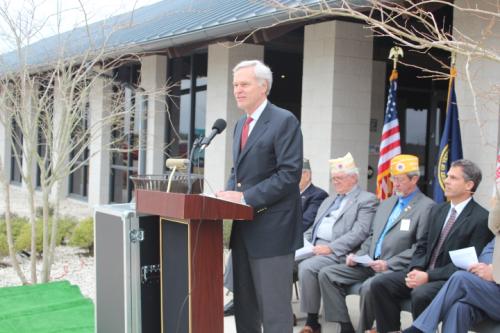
x,y
450,147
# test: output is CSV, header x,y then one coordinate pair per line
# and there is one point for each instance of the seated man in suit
x,y
467,297
399,222
452,225
312,197
341,225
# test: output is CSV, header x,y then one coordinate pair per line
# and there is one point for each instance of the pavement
x,y
352,304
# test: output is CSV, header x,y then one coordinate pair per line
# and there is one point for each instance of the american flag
x,y
390,144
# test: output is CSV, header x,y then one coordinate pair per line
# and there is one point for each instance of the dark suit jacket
x,y
470,229
268,171
312,198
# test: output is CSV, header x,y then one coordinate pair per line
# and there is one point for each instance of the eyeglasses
x,y
339,178
399,180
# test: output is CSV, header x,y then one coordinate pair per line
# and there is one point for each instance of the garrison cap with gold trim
x,y
343,164
403,164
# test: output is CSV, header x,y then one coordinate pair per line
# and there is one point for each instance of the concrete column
x,y
336,95
221,104
99,164
479,125
153,80
376,119
57,121
30,142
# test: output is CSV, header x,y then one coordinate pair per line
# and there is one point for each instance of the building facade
x,y
332,74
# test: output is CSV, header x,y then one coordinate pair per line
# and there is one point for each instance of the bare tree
x,y
48,102
413,25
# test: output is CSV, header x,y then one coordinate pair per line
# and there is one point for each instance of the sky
x,y
45,15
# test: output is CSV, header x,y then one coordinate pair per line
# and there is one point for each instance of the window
x,y
16,155
46,112
187,107
78,179
125,137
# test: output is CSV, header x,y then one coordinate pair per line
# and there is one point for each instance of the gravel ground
x,y
72,264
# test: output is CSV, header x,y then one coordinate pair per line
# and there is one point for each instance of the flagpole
x,y
450,145
453,75
390,145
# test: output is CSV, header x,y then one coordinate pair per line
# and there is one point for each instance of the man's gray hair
x,y
471,172
262,72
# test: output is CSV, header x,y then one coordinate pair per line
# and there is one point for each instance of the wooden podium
x,y
191,257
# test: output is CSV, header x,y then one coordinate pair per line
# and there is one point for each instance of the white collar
x,y
256,114
460,207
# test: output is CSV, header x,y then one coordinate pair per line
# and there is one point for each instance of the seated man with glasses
x,y
341,225
399,222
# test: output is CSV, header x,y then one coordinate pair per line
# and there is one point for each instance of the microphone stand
x,y
196,145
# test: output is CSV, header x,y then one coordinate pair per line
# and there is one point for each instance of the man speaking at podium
x,y
267,166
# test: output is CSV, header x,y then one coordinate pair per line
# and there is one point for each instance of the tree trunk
x,y
32,217
8,227
55,224
46,251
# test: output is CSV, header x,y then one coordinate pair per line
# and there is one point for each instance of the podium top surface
x,y
190,206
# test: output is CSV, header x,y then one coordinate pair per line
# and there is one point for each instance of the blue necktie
x,y
390,221
336,204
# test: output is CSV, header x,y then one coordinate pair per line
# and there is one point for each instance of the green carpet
x,y
54,307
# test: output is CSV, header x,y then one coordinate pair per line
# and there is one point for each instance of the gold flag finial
x,y
394,54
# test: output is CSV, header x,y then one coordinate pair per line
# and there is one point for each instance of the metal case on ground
x,y
128,295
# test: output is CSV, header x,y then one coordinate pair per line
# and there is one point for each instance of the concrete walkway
x,y
352,303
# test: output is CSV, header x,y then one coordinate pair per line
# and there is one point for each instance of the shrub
x,y
17,224
4,247
23,240
83,235
65,229
39,211
226,229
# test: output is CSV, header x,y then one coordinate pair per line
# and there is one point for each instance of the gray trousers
x,y
262,291
309,270
228,273
334,283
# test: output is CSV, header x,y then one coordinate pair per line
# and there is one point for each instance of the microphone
x,y
217,128
178,163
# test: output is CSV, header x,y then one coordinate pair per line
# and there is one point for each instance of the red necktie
x,y
442,238
244,133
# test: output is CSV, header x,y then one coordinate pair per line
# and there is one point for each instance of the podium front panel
x,y
175,276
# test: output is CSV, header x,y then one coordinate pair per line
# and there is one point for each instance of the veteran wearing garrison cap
x,y
398,223
341,225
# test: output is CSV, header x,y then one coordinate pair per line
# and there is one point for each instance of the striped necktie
x,y
442,237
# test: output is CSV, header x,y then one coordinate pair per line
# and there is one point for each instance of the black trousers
x,y
390,289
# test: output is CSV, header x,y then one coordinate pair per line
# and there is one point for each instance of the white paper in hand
x,y
364,260
304,252
463,258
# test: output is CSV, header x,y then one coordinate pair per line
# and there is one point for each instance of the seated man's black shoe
x,y
412,329
229,309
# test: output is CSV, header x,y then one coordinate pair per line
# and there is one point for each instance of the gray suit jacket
x,y
268,171
398,245
353,224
